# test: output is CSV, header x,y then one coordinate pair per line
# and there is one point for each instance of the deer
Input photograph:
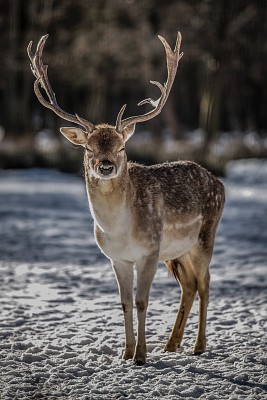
x,y
144,215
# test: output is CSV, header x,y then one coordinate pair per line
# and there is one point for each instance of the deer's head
x,y
104,144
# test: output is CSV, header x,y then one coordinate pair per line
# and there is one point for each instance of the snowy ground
x,y
61,326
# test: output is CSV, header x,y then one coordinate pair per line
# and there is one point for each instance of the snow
x,y
61,324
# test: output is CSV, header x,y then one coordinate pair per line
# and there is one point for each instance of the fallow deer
x,y
145,214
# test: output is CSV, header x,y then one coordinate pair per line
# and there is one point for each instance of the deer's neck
x,y
107,199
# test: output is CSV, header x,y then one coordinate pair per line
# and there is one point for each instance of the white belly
x,y
177,239
123,249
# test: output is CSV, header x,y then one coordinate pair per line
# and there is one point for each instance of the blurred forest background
x,y
102,54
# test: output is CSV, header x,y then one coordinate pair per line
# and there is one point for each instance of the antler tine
x,y
172,58
39,70
119,117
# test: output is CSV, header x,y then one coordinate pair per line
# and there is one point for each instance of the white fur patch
x,y
178,238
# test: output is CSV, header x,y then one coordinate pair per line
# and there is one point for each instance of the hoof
x,y
128,352
140,355
127,355
139,362
200,347
170,347
198,351
139,359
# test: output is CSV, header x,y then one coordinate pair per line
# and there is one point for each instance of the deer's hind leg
x,y
184,273
200,261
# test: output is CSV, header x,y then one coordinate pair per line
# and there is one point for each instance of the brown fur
x,y
159,198
166,212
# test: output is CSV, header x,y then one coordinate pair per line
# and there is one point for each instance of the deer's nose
x,y
105,167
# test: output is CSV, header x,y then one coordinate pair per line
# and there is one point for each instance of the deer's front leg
x,y
145,275
124,274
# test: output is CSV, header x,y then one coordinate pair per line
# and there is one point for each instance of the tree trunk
x,y
171,119
209,114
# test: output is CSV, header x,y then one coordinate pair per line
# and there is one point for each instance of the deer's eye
x,y
122,149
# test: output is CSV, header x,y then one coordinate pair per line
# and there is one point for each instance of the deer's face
x,y
105,153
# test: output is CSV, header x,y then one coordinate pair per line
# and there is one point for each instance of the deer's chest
x,y
119,244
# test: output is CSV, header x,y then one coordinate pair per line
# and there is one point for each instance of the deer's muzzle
x,y
106,168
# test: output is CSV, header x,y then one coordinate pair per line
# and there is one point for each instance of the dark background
x,y
102,54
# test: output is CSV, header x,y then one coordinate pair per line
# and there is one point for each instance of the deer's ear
x,y
128,132
75,135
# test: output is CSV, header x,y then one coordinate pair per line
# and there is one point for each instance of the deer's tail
x,y
175,267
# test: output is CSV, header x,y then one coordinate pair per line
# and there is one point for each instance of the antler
x,y
173,58
39,70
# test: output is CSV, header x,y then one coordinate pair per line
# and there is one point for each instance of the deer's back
x,y
182,186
